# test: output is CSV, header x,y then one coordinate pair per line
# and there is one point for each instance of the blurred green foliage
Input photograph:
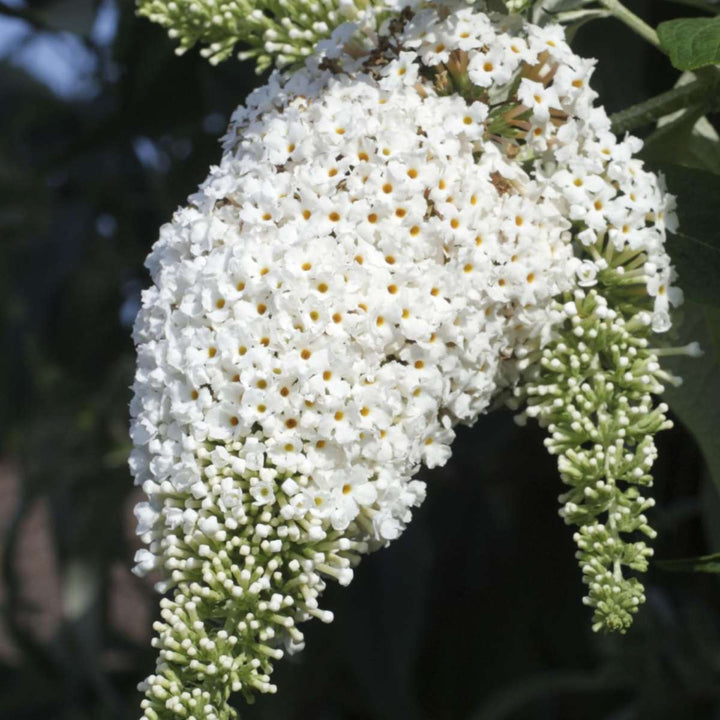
x,y
473,615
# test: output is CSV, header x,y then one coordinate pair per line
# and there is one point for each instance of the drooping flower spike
x,y
280,32
394,239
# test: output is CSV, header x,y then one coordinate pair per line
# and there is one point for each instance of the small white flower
x,y
538,98
587,273
145,562
262,492
146,517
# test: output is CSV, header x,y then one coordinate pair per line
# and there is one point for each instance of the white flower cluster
x,y
345,285
341,292
383,237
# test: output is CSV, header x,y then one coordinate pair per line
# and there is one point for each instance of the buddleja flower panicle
x,y
593,391
239,590
281,32
381,254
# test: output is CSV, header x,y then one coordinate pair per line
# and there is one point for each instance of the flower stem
x,y
634,22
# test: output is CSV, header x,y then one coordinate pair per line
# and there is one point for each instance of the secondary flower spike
x,y
283,32
393,240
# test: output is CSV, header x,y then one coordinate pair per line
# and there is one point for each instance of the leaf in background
x,y
691,42
696,254
695,249
704,563
697,194
698,263
688,140
697,402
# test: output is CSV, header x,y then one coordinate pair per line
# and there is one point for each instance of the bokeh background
x,y
474,614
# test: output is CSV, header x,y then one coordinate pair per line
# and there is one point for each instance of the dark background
x,y
474,614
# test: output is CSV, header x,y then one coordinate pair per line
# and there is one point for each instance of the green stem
x,y
661,105
630,19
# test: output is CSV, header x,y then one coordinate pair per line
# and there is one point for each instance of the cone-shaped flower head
x,y
388,243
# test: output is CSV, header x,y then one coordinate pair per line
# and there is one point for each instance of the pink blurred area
x,y
47,596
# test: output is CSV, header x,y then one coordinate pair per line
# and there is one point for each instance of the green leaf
x,y
696,403
704,563
682,142
695,248
697,193
692,43
698,264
